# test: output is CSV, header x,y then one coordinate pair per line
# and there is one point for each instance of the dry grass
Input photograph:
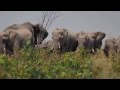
x,y
102,64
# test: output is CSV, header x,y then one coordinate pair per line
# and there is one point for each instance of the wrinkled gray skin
x,y
86,42
14,26
43,45
110,46
40,34
64,40
2,45
38,31
98,40
16,36
50,44
47,45
16,39
97,36
118,44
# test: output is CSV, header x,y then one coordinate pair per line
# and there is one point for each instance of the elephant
x,y
2,44
111,46
16,39
38,31
97,36
86,42
47,45
118,44
64,40
14,26
43,45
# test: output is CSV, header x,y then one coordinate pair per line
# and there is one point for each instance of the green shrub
x,y
43,64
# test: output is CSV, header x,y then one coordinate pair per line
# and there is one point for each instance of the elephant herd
x,y
67,41
14,37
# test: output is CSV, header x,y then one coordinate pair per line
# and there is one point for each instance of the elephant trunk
x,y
56,45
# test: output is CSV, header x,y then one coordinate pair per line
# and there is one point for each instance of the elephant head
x,y
9,40
82,40
59,38
99,36
111,46
40,33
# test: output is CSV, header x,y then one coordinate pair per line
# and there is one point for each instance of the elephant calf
x,y
111,46
47,45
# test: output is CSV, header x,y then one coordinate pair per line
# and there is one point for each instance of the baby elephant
x,y
111,46
47,45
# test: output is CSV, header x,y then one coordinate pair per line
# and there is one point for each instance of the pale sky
x,y
106,21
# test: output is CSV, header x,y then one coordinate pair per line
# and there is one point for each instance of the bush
x,y
43,64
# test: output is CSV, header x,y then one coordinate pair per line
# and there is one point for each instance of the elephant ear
x,y
100,35
95,35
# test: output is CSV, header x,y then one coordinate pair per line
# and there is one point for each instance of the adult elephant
x,y
37,30
64,39
16,36
86,42
118,44
97,36
110,47
2,44
16,39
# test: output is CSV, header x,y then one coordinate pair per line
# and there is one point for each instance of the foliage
x,y
33,63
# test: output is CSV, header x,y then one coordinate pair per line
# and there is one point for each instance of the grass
x,y
42,64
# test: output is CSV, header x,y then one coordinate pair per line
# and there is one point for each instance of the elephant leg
x,y
33,42
91,51
106,51
9,48
69,45
62,48
74,46
95,49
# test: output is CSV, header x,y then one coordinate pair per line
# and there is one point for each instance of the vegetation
x,y
42,64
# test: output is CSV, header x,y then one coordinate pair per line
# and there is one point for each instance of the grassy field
x,y
42,64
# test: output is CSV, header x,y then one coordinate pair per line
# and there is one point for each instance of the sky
x,y
106,21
